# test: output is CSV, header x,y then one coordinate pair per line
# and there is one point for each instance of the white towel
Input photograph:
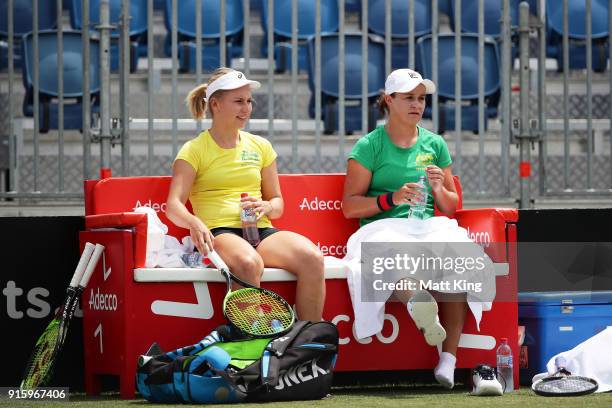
x,y
369,315
163,250
592,358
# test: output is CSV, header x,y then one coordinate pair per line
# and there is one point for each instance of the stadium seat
x,y
399,25
138,27
352,6
306,29
469,78
211,37
353,68
159,5
577,33
492,16
73,74
22,24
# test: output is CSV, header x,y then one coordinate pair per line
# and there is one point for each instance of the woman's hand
x,y
201,236
409,193
261,207
435,176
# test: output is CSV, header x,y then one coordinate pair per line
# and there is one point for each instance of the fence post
x,y
523,137
105,134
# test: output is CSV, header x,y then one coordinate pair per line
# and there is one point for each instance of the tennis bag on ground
x,y
225,367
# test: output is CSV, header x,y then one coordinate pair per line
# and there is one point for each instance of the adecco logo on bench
x,y
320,205
157,207
481,238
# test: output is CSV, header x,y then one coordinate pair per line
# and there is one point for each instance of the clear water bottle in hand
x,y
504,366
249,224
419,209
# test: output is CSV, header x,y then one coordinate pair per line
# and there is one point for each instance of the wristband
x,y
385,201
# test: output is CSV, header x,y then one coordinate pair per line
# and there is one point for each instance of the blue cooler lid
x,y
565,298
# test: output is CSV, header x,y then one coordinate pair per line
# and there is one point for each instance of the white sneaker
x,y
485,382
423,309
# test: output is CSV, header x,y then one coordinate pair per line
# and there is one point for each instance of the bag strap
x,y
207,341
270,360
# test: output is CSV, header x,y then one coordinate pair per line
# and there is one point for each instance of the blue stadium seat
x,y
138,27
444,6
399,25
306,29
492,16
469,78
577,33
352,6
211,37
352,70
22,24
73,74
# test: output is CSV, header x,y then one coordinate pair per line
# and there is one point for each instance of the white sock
x,y
445,370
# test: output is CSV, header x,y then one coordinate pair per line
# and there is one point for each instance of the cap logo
x,y
240,75
413,75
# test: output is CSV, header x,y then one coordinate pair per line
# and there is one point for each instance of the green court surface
x,y
392,396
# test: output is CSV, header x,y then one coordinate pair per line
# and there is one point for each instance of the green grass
x,y
392,397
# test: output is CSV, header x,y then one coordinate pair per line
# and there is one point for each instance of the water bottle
x,y
419,209
504,366
249,224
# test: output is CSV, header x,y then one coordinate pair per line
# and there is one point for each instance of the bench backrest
x,y
312,204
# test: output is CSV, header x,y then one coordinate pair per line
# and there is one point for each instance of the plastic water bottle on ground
x,y
249,224
419,209
504,366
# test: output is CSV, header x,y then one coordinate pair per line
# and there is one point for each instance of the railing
x,y
136,141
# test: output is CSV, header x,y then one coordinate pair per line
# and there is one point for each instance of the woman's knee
x,y
248,266
311,263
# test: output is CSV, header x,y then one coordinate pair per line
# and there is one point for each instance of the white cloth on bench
x,y
163,251
369,316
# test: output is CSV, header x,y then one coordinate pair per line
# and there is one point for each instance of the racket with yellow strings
x,y
255,311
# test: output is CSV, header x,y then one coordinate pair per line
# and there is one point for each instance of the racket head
x,y
258,312
40,364
564,386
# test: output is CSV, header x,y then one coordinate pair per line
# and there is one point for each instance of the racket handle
x,y
80,269
142,360
216,260
560,362
95,257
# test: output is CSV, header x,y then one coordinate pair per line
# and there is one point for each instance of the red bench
x,y
126,306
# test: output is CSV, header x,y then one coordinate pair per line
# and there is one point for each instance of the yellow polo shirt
x,y
223,174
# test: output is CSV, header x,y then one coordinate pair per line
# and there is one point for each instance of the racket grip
x,y
216,259
95,257
80,269
560,362
142,360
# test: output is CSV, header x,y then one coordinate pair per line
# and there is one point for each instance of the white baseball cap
x,y
231,80
405,80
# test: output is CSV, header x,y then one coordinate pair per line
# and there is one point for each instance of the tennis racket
x,y
254,311
564,384
49,344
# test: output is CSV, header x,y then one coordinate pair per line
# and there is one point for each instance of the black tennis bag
x,y
295,366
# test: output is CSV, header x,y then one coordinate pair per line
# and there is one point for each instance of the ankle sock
x,y
445,370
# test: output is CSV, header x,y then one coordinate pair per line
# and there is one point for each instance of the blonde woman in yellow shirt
x,y
213,169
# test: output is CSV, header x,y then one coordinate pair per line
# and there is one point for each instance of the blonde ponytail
x,y
196,99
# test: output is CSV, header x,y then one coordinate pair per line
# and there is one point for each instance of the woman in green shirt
x,y
383,169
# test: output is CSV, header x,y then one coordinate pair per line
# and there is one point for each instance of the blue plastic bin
x,y
556,322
